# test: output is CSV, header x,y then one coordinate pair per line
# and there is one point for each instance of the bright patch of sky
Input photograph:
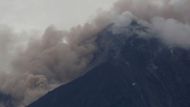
x,y
38,14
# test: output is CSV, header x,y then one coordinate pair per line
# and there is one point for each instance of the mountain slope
x,y
6,100
129,71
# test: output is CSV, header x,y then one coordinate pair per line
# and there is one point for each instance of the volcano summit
x,y
131,68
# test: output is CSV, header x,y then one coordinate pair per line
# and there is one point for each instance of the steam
x,y
168,18
29,68
147,9
173,32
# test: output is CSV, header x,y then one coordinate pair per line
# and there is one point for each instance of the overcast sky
x,y
38,14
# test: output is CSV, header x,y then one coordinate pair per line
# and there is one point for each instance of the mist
x,y
30,67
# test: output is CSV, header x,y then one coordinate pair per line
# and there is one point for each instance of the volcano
x,y
131,68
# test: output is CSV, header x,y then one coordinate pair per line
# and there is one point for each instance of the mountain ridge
x,y
134,72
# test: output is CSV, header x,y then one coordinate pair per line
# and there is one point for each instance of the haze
x,y
38,14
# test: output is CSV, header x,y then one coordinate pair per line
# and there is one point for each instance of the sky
x,y
39,14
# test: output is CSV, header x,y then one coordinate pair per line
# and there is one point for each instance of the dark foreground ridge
x,y
6,100
132,72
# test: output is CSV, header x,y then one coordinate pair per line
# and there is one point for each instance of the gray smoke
x,y
44,62
31,67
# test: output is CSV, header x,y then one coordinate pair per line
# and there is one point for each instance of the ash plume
x,y
29,68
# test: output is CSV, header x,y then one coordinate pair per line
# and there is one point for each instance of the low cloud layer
x,y
31,67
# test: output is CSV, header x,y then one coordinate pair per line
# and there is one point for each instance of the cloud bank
x,y
31,67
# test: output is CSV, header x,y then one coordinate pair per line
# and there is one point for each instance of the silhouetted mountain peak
x,y
130,71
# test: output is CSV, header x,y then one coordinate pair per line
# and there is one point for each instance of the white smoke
x,y
172,32
169,18
30,68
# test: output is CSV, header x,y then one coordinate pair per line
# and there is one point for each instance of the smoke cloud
x,y
168,18
29,68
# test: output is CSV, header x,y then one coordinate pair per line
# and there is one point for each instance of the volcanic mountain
x,y
131,68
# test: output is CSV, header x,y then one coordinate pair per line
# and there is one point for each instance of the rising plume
x,y
31,67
